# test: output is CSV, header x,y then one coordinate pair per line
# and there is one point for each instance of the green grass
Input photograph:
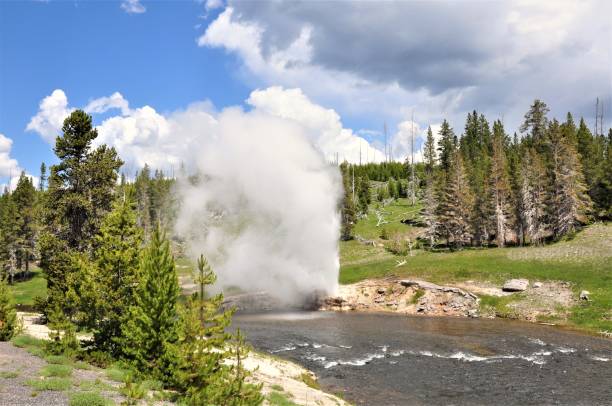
x,y
25,292
277,388
56,370
394,212
25,341
88,399
58,359
310,381
9,374
117,374
583,261
53,384
280,399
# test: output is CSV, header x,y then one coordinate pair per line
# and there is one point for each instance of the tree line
x,y
486,187
110,270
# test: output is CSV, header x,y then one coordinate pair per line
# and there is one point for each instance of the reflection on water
x,y
386,359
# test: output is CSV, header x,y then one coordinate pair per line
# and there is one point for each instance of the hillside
x,y
583,262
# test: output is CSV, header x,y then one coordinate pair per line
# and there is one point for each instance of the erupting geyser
x,y
265,208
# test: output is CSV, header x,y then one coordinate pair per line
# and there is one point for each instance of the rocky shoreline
x,y
529,302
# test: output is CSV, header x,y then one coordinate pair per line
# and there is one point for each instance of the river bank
x,y
532,302
283,380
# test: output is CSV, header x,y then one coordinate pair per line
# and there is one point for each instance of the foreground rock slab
x,y
515,285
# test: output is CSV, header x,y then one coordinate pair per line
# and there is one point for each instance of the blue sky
x,y
337,69
91,49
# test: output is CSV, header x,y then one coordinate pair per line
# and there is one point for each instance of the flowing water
x,y
386,359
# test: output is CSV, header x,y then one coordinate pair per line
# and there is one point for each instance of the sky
x,y
154,74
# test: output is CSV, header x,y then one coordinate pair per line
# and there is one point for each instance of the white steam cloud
x,y
265,211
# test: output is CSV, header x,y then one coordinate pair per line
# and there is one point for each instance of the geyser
x,y
264,207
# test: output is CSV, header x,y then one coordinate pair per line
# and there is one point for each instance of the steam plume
x,y
264,209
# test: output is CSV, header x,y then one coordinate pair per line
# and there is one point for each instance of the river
x,y
388,359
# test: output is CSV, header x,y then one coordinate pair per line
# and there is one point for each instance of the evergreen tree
x,y
500,185
43,177
364,194
150,330
348,206
204,374
9,241
24,197
116,258
455,203
535,125
429,153
533,196
569,202
8,317
80,193
446,145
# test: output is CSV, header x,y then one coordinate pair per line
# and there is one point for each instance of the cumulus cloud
x,y
103,104
323,125
8,166
133,7
165,141
53,109
441,62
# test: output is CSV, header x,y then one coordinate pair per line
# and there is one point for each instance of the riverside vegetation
x,y
483,206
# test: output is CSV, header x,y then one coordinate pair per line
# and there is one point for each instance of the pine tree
x,y
533,196
116,258
24,197
8,317
535,125
204,374
430,203
43,177
364,194
9,244
569,202
500,185
429,153
446,145
150,330
80,193
348,206
455,203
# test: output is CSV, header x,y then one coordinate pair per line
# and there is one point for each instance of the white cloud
x,y
165,141
213,4
52,111
103,104
324,126
440,64
8,166
133,6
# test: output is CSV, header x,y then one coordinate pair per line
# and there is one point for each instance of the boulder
x,y
515,285
380,290
537,285
584,295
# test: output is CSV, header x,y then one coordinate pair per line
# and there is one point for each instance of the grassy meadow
x,y
585,261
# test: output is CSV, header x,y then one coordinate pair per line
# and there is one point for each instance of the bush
x,y
9,325
54,384
24,341
56,370
88,399
58,359
384,234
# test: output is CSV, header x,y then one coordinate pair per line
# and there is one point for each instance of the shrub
x,y
54,384
56,370
88,399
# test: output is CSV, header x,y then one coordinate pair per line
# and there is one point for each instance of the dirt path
x,y
16,367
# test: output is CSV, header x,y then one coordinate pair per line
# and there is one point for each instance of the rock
x,y
584,295
472,313
408,282
380,290
537,285
515,285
